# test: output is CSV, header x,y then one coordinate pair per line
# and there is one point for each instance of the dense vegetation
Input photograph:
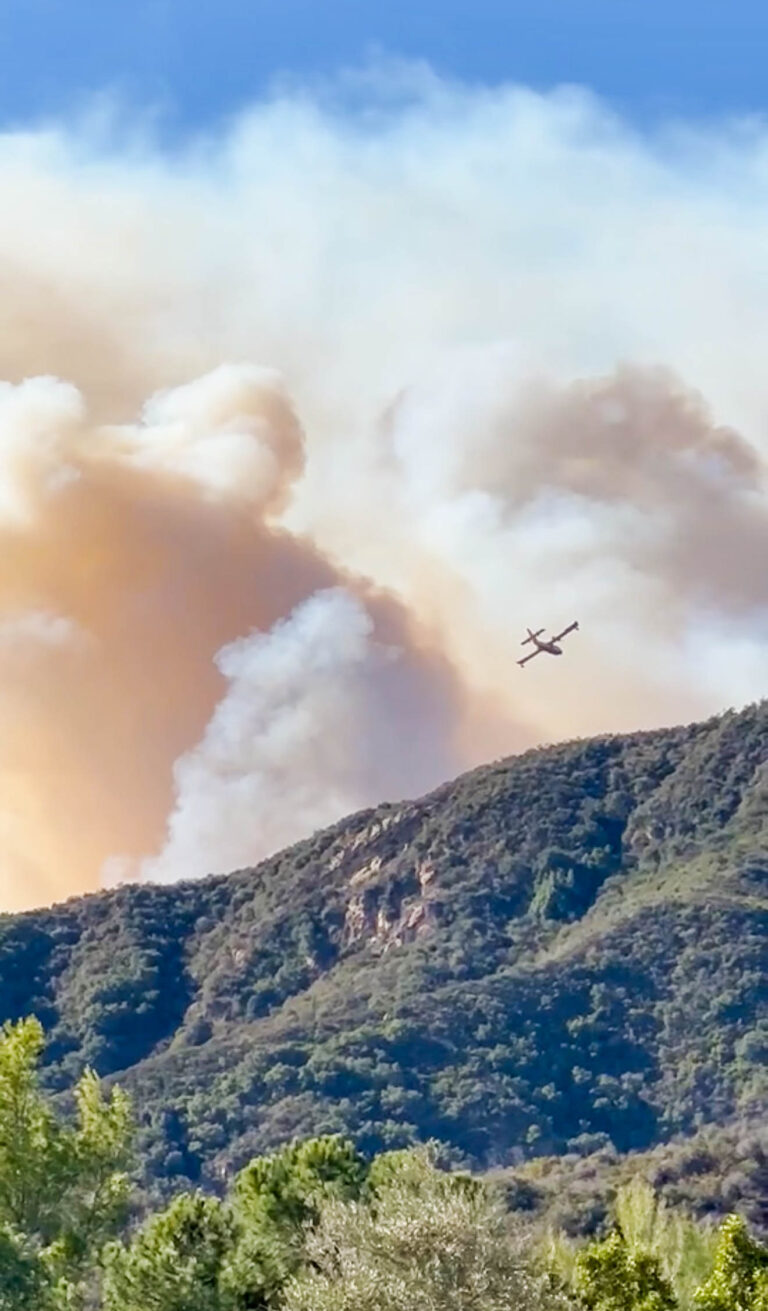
x,y
560,954
316,1226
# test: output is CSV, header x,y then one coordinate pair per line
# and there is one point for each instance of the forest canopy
x,y
318,1225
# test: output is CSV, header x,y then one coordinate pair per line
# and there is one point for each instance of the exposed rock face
x,y
388,916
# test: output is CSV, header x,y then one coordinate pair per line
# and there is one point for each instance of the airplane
x,y
550,647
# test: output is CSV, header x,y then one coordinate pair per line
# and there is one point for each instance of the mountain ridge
x,y
559,949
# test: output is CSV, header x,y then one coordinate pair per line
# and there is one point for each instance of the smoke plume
x,y
314,724
302,425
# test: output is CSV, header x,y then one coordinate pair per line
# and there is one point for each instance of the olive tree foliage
x,y
422,1241
63,1187
739,1277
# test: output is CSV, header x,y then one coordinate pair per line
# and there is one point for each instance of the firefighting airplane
x,y
549,647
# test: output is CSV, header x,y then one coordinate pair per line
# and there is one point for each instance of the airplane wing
x,y
566,631
532,656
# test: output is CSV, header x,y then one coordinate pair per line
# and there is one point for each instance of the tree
x,y
276,1199
201,1254
684,1249
739,1278
422,1243
176,1262
24,1281
649,1235
415,1169
63,1188
609,1276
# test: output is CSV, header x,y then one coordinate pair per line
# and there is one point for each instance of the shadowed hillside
x,y
561,952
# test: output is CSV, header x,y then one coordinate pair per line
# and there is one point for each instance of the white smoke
x,y
305,734
232,432
38,420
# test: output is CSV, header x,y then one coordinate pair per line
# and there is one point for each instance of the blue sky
x,y
199,60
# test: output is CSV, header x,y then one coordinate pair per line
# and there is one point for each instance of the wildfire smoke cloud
x,y
300,429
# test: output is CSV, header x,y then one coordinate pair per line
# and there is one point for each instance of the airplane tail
x,y
531,636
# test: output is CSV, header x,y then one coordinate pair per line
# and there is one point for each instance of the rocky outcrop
x,y
388,914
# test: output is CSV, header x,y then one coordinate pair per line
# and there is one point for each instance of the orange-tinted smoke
x,y
152,577
128,558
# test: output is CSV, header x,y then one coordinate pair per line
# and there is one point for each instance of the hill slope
x,y
557,952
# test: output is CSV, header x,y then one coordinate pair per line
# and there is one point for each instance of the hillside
x,y
563,952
